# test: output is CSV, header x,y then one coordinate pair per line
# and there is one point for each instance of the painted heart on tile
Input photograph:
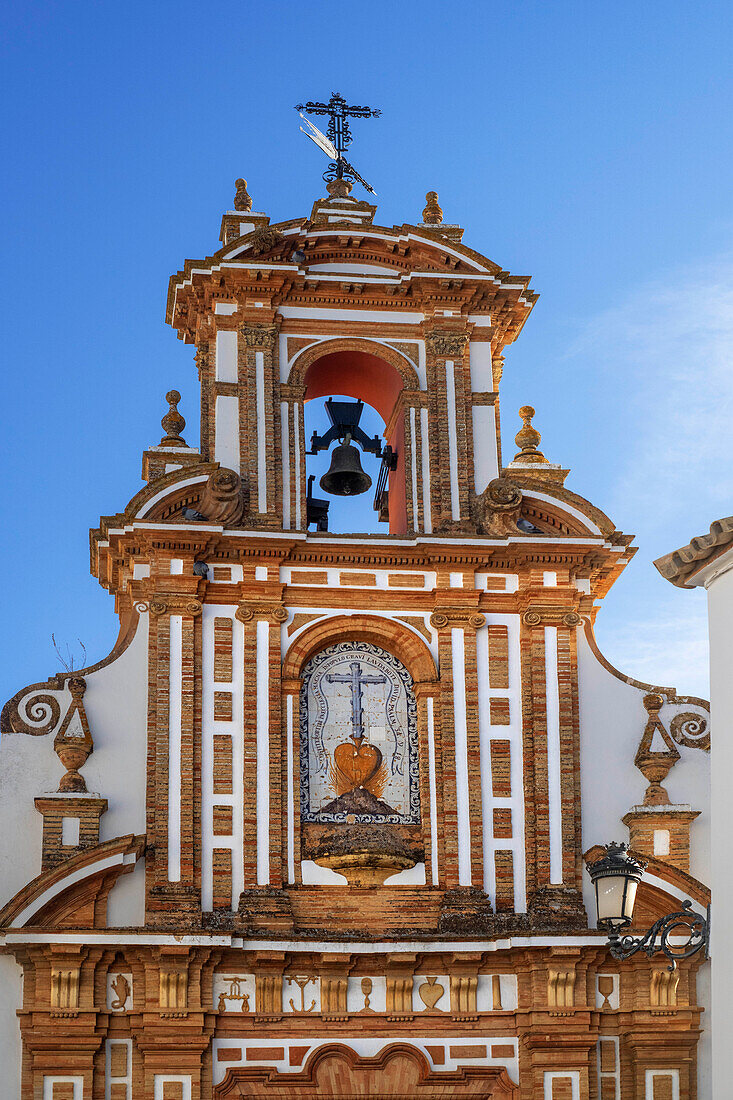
x,y
357,762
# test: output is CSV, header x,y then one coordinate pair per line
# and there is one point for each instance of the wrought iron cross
x,y
356,679
339,113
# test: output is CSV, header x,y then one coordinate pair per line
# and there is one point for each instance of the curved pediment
x,y
74,894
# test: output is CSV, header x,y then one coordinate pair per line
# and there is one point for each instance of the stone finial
x,y
242,200
73,743
528,438
432,214
338,188
173,423
657,752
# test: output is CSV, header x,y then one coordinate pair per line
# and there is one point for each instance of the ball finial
x,y
528,438
432,214
173,423
242,201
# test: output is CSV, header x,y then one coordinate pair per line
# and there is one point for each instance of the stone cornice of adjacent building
x,y
426,272
682,566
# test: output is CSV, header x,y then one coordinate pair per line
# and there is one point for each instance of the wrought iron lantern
x,y
616,876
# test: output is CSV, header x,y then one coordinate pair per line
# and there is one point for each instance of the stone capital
x,y
261,609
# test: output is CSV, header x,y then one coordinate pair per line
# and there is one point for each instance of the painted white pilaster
x,y
226,432
263,753
175,684
261,432
554,790
285,462
427,514
450,389
413,469
291,791
463,821
432,785
296,457
226,366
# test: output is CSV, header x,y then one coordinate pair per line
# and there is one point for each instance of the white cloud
x,y
660,364
668,650
669,345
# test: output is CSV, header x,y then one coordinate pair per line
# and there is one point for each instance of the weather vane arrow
x,y
337,138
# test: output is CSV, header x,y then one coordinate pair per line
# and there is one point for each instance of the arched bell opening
x,y
364,377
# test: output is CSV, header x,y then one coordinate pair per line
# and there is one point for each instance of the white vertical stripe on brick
x,y
226,357
517,764
226,432
413,469
263,753
175,684
463,822
425,462
296,457
433,794
70,828
261,432
485,458
49,1082
237,725
554,790
450,389
210,729
109,1080
162,1079
285,462
665,1074
487,793
551,1075
291,791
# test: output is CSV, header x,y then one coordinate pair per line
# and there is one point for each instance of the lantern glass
x,y
615,897
616,877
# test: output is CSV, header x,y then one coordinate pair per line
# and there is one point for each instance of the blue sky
x,y
586,144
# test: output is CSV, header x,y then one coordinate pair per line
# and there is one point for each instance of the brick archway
x,y
370,372
387,633
398,1072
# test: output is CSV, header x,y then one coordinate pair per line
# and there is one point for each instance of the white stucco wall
x,y
11,978
116,705
719,583
612,720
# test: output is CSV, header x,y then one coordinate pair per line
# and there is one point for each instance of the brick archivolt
x,y
390,634
310,355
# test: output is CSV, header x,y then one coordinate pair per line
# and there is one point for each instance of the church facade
x,y
318,825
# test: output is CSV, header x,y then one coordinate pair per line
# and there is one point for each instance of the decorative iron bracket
x,y
696,929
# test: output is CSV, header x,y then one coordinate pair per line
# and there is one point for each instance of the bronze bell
x,y
345,477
